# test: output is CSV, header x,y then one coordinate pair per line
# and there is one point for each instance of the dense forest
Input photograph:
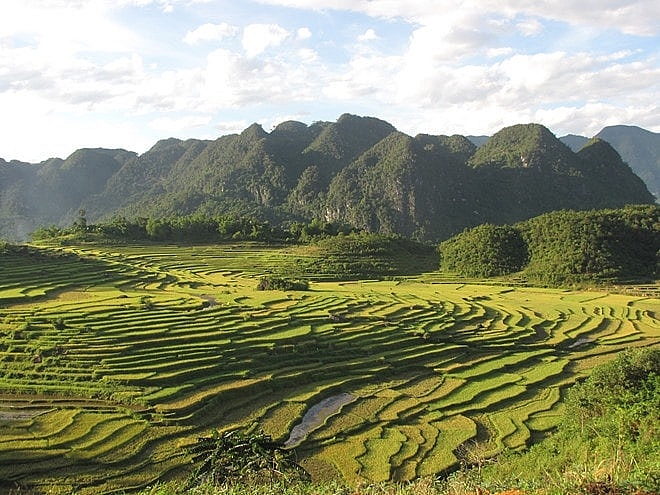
x,y
358,171
562,247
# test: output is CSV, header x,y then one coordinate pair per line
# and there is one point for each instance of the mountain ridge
x,y
357,170
638,147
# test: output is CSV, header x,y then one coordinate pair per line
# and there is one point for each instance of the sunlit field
x,y
114,362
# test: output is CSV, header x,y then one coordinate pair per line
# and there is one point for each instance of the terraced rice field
x,y
113,364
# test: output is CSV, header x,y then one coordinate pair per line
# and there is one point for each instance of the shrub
x,y
59,323
620,399
279,283
237,457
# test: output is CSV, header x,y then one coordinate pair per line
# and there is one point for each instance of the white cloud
x,y
448,39
499,52
590,118
182,124
423,91
221,75
368,35
308,55
363,78
535,74
59,131
124,68
231,126
438,68
210,32
231,80
63,28
304,33
530,27
258,37
638,17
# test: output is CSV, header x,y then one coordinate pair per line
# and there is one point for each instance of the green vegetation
x,y
524,146
121,350
335,251
563,247
357,170
190,229
485,251
640,149
235,457
607,245
117,358
278,283
185,229
364,255
607,441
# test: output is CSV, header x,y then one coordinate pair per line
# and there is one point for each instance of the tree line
x,y
191,229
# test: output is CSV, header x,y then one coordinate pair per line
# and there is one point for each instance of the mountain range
x,y
638,147
357,170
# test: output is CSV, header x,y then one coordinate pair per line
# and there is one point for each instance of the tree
x,y
158,229
81,223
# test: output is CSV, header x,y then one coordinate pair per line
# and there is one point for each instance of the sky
x,y
127,73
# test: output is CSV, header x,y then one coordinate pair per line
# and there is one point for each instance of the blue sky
x,y
126,73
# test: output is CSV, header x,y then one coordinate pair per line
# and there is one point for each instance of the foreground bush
x,y
234,457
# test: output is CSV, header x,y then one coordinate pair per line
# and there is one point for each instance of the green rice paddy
x,y
114,361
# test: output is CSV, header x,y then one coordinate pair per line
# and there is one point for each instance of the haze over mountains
x,y
358,170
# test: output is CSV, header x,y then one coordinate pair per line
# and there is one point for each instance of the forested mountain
x,y
638,147
574,142
478,140
53,191
357,170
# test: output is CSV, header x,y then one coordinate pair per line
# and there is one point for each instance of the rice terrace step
x,y
112,365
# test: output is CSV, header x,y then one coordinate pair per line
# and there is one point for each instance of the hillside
x,y
563,247
574,141
638,147
357,170
53,191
